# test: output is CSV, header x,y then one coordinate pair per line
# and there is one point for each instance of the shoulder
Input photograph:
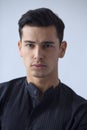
x,y
6,87
12,82
72,98
69,92
77,105
16,80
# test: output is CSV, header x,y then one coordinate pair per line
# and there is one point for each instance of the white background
x,y
73,67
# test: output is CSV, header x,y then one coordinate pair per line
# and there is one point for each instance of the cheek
x,y
54,55
25,53
26,57
52,59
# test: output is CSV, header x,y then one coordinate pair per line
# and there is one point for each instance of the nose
x,y
38,53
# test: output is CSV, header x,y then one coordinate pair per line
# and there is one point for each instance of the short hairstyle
x,y
42,17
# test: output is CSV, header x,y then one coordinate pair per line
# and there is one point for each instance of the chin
x,y
39,75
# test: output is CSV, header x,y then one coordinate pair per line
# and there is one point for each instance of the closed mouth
x,y
39,65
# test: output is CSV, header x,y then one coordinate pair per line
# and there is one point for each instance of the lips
x,y
39,66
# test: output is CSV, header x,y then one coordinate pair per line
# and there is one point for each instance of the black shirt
x,y
24,107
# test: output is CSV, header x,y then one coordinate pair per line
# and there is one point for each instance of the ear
x,y
63,47
20,48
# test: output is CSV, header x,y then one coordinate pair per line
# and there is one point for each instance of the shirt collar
x,y
36,95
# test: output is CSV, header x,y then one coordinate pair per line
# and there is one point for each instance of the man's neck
x,y
42,83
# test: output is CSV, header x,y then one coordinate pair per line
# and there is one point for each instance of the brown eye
x,y
30,45
47,45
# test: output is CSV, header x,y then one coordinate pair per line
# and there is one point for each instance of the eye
x,y
30,45
47,45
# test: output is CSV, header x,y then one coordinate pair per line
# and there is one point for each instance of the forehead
x,y
47,33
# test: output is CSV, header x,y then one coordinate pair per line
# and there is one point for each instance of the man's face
x,y
40,49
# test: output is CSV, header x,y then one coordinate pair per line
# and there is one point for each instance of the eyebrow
x,y
44,42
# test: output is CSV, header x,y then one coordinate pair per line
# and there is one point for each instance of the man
x,y
40,101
